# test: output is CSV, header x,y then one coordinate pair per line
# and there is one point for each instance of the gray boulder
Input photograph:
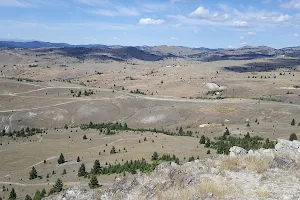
x,y
282,162
237,151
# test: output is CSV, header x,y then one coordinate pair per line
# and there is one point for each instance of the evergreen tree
x,y
57,187
33,174
293,137
293,122
113,150
27,197
37,195
96,168
84,137
94,182
226,132
61,159
202,140
43,192
155,156
78,159
64,172
207,144
191,159
81,171
12,194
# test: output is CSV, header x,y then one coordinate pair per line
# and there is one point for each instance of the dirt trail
x,y
125,94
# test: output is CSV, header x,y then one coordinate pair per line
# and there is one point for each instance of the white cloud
x,y
282,18
174,38
295,4
15,3
296,35
251,33
240,24
242,37
244,43
150,21
115,38
230,47
154,7
200,12
116,11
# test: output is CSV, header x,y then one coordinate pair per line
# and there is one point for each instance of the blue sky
x,y
194,23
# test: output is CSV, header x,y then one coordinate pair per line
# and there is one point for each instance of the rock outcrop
x,y
261,174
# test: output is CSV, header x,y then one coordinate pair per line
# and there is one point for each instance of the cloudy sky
x,y
194,23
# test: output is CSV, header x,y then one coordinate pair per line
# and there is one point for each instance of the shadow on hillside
x,y
265,66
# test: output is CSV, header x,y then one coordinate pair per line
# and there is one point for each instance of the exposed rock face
x,y
290,148
261,174
75,193
237,151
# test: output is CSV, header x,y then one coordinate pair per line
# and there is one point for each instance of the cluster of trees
x,y
107,131
137,91
131,167
293,123
23,132
293,137
165,157
79,93
224,143
38,195
119,127
24,79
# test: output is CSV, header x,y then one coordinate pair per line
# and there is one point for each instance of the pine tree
x,y
191,159
78,159
27,197
113,150
61,159
96,168
81,171
12,194
293,122
202,140
43,192
207,144
33,174
293,137
64,172
57,187
94,182
226,132
37,195
155,156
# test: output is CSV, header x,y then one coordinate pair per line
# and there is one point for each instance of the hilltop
x,y
261,174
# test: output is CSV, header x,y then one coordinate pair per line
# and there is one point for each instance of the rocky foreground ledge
x,y
261,174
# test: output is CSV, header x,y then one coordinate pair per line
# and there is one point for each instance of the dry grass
x,y
263,194
257,164
230,163
252,163
217,189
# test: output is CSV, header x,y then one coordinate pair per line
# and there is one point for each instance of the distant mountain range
x,y
40,44
154,53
